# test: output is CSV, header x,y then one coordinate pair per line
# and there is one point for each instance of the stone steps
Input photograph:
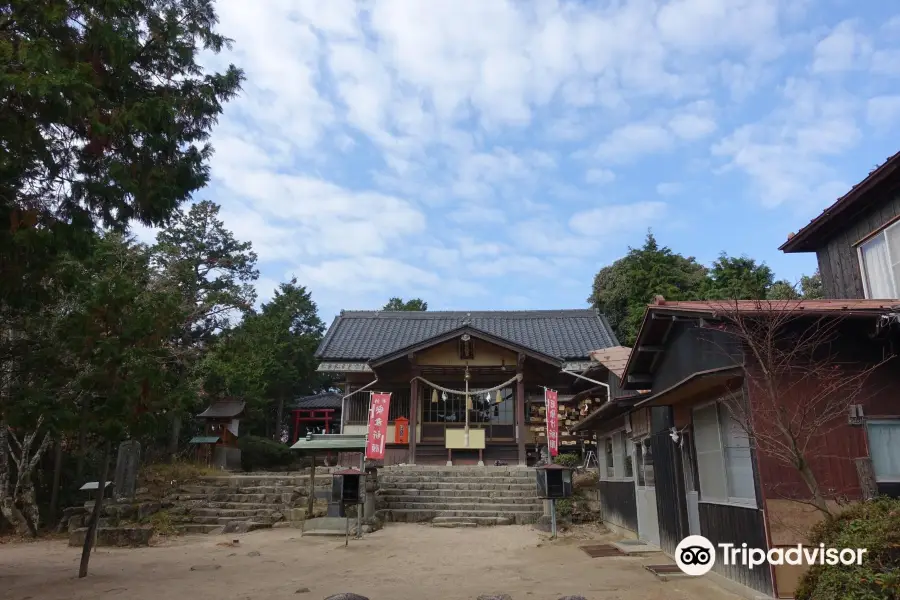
x,y
234,512
464,506
245,505
225,520
420,479
482,499
196,528
469,521
422,515
481,485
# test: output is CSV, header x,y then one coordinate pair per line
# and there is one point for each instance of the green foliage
x,y
874,526
564,508
399,304
263,453
811,286
269,357
568,460
622,290
162,523
738,278
106,110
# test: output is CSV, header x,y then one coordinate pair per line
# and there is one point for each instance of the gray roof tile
x,y
564,334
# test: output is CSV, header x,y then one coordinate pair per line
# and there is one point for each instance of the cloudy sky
x,y
494,154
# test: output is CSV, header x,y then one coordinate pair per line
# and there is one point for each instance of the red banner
x,y
551,402
378,422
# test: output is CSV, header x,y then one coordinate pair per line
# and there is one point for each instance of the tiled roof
x,y
563,334
323,400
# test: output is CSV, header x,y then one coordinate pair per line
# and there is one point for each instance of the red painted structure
x,y
316,415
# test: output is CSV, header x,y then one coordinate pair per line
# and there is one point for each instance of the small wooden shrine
x,y
218,446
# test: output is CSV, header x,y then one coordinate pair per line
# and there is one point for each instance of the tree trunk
x,y
95,514
7,500
817,499
82,442
57,476
279,419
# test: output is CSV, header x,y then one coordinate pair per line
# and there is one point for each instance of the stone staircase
x,y
254,501
458,496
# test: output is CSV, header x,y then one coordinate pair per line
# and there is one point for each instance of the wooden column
x,y
413,417
520,411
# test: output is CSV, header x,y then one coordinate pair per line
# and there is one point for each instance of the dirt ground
x,y
400,562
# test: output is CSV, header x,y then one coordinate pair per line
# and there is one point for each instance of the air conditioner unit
x,y
856,416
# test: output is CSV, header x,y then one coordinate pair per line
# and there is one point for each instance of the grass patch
x,y
161,478
162,523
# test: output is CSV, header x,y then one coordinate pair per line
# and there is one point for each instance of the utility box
x,y
554,481
345,487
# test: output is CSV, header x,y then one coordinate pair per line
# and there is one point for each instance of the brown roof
x,y
614,358
804,240
837,307
844,306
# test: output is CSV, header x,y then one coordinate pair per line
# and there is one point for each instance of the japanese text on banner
x,y
378,422
552,404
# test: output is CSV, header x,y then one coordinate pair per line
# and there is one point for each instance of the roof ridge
x,y
545,313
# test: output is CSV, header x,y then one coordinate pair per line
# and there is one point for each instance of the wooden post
x,y
867,485
413,417
312,486
520,411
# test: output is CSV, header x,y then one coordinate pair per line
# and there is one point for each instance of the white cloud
x,y
842,49
669,188
884,111
599,176
397,147
620,218
631,142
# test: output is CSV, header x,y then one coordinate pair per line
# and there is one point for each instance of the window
x,y
610,466
884,447
626,458
724,465
880,261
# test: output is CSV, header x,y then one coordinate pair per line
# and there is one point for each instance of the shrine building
x,y
465,386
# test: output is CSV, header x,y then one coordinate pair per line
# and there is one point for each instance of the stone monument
x,y
127,463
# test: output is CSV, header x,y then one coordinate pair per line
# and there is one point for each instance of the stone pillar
x,y
520,417
413,418
127,463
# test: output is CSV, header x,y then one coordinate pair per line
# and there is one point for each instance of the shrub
x,y
263,453
568,460
873,525
564,508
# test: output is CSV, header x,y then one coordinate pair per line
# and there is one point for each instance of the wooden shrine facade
x,y
428,380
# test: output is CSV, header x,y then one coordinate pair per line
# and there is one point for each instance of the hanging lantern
x,y
444,396
434,396
468,402
499,397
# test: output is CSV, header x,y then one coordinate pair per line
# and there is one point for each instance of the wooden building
x,y
427,360
684,453
857,239
610,426
218,447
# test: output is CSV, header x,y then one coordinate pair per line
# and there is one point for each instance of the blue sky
x,y
494,154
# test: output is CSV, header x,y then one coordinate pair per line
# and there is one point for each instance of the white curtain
x,y
710,459
877,264
884,446
893,240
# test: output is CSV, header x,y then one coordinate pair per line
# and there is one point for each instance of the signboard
x,y
551,400
378,422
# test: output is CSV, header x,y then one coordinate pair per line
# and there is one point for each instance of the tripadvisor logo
x,y
696,555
